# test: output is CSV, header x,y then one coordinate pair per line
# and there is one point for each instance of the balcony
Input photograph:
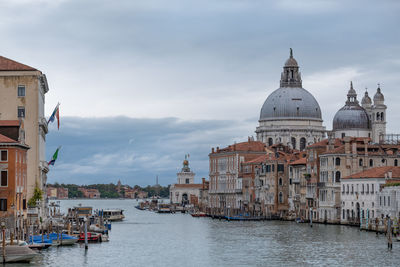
x,y
321,184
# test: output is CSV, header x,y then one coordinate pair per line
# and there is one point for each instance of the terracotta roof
x,y
5,139
337,150
9,123
301,161
245,146
336,142
7,64
259,159
377,172
188,185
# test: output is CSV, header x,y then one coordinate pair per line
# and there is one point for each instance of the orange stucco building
x,y
13,177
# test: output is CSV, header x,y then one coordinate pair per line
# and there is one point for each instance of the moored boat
x,y
163,208
113,215
199,214
17,254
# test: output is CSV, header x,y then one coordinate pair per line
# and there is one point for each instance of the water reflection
x,y
151,239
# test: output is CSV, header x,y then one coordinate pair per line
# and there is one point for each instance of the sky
x,y
142,83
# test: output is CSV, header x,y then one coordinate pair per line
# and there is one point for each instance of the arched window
x,y
270,141
337,177
302,143
360,162
371,162
337,162
362,189
293,142
382,117
395,162
280,197
367,188
378,117
280,181
343,189
347,187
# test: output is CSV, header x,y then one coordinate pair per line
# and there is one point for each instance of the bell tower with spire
x,y
378,116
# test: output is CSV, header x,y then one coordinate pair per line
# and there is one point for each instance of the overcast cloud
x,y
203,64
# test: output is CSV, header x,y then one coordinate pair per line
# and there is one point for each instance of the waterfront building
x,y
13,179
290,115
348,156
185,191
298,188
89,192
51,192
272,181
360,192
203,197
57,192
225,191
388,197
246,177
23,90
315,183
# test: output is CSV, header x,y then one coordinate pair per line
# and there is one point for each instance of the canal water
x,y
149,239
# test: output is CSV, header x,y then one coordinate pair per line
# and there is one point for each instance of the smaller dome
x,y
351,117
378,96
366,100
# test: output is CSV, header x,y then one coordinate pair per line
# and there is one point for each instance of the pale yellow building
x,y
22,91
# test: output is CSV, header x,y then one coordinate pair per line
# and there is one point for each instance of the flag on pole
x,y
55,155
55,114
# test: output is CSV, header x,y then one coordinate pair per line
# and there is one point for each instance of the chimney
x,y
217,149
248,139
212,150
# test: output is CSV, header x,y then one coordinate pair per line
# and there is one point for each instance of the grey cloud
x,y
99,150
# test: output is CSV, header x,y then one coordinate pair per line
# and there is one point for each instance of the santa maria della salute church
x,y
292,116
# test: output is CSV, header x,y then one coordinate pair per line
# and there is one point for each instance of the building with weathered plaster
x,y
298,188
23,90
13,178
290,115
225,189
